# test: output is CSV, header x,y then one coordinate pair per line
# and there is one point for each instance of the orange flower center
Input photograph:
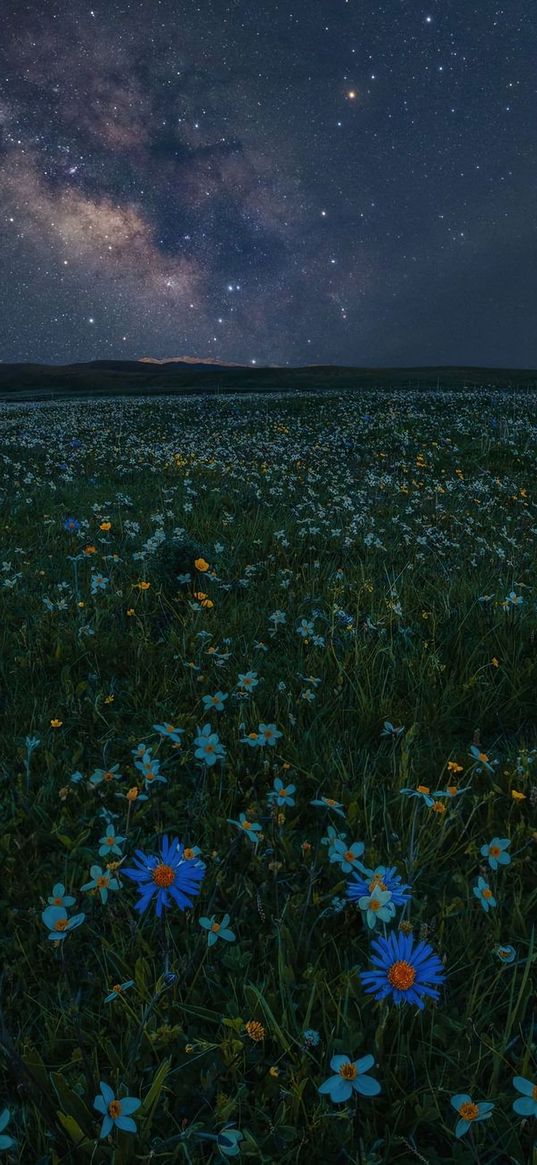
x,y
108,777
117,988
102,882
163,875
188,854
329,801
494,851
487,893
374,904
60,924
401,975
423,789
114,1109
58,901
348,855
348,1071
534,1092
247,825
483,756
377,881
110,840
215,927
468,1111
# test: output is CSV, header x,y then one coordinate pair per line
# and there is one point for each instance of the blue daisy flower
x,y
169,875
404,971
484,893
385,877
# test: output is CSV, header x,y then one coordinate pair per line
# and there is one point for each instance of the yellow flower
x,y
517,796
143,586
56,723
109,699
438,807
131,611
495,662
132,793
201,564
81,603
453,767
90,550
255,1030
106,526
274,1072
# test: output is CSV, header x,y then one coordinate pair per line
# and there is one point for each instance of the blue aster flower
x,y
404,971
107,775
269,734
71,525
251,828
115,1111
350,1076
469,1112
527,1104
169,875
495,852
311,1037
385,877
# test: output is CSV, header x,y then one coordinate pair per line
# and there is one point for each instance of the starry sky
x,y
289,182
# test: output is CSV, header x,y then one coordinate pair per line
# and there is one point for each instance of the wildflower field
x,y
268,754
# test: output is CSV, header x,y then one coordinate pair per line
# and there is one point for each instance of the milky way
x,y
312,182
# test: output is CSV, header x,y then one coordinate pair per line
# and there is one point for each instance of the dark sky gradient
x,y
341,181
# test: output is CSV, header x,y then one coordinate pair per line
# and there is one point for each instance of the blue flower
x,y
389,730
482,758
329,803
71,525
311,1037
228,1142
5,1142
349,1078
115,1111
332,835
166,875
59,897
377,905
118,990
101,881
423,793
405,972
527,1105
58,922
99,775
216,702
208,746
110,843
217,929
251,828
150,769
169,732
98,583
247,681
346,855
282,794
305,628
505,954
469,1112
269,734
385,877
484,893
495,853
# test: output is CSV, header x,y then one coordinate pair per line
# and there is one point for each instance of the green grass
x,y
415,515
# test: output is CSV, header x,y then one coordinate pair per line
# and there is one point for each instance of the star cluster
x,y
281,183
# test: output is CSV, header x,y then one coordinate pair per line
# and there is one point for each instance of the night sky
x,y
341,181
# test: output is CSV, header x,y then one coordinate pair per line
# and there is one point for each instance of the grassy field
x,y
299,636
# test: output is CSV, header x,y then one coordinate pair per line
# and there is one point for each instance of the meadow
x,y
268,779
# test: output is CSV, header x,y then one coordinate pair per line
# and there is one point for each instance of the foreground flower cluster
x,y
268,773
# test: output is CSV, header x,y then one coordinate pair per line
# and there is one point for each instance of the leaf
x,y
157,1085
72,1104
74,1132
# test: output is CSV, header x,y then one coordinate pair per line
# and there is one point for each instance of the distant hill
x,y
184,375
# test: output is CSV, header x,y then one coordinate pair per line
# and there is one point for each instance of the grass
x,y
402,526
